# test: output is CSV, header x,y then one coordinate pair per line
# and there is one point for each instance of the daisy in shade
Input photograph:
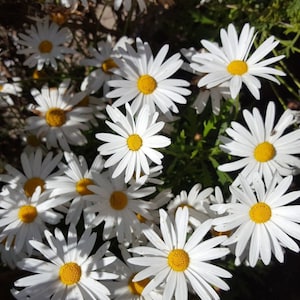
x,y
177,263
264,148
215,94
119,206
59,121
44,43
71,272
97,105
261,218
24,218
36,170
72,186
233,63
146,80
103,59
124,288
196,201
132,147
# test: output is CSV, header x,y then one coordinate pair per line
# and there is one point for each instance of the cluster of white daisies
x,y
57,209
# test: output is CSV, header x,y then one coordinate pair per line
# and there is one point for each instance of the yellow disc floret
x,y
134,142
178,260
237,67
45,46
118,200
260,212
33,140
107,65
31,184
55,117
264,152
146,84
27,213
137,287
81,186
70,273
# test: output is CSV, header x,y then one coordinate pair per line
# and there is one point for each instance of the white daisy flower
x,y
73,186
264,148
216,94
261,219
59,121
102,59
44,43
146,80
124,288
176,261
133,146
70,273
24,218
36,171
197,201
119,206
233,63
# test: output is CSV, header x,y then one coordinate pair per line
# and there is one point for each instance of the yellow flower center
x,y
134,142
58,18
260,212
146,84
107,65
220,233
1,87
178,260
45,46
55,117
38,74
84,102
237,67
31,184
32,140
264,152
118,200
70,273
27,213
141,218
81,186
137,287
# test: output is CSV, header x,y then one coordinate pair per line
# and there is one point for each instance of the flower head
x,y
146,80
261,219
103,59
36,171
73,185
174,261
59,121
71,272
233,63
119,206
196,201
24,218
132,147
264,148
44,44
